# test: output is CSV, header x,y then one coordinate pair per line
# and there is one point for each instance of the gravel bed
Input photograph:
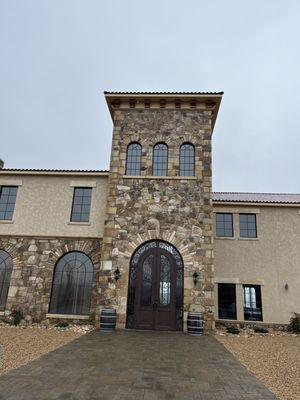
x,y
274,358
20,345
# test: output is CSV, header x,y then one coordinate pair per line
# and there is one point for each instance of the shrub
x,y
294,325
260,329
61,325
233,329
16,316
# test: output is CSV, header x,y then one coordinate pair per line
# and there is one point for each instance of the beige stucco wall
x,y
272,260
44,202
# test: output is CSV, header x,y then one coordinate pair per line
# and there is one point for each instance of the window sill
x,y
68,316
181,178
243,321
239,281
6,221
79,223
248,238
226,320
225,238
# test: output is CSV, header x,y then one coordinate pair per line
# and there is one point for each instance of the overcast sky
x,y
58,56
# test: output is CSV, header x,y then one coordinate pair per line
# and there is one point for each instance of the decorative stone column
x,y
171,208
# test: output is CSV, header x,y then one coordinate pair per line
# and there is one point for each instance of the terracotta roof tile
x,y
162,93
244,197
51,170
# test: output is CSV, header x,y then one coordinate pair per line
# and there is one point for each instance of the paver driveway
x,y
135,365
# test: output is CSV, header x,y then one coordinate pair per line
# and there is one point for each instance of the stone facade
x,y
34,260
174,209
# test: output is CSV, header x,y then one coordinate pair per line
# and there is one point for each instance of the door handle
x,y
155,304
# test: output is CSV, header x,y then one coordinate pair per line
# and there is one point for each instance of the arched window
x,y
187,160
160,160
72,284
6,266
133,159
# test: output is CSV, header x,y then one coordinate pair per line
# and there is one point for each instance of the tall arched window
x,y
6,266
133,159
160,160
72,284
187,160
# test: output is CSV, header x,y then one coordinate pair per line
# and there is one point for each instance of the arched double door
x,y
155,291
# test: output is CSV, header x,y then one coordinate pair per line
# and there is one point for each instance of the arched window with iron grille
x,y
72,284
187,160
133,159
6,266
160,160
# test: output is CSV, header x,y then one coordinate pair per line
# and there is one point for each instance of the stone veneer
x,y
34,260
175,209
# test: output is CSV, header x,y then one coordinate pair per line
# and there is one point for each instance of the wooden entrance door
x,y
155,303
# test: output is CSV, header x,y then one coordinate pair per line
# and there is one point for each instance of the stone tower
x,y
173,212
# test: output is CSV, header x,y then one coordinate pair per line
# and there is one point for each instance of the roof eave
x,y
53,173
254,203
214,96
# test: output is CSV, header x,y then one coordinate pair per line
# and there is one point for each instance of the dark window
x,y
8,196
160,159
6,267
252,303
133,159
72,285
248,225
187,160
227,301
81,204
224,225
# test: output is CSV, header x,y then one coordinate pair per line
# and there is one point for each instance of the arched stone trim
x,y
183,246
85,246
15,250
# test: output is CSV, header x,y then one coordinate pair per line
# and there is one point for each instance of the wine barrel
x,y
108,319
195,323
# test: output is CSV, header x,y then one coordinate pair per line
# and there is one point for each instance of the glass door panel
x,y
147,281
164,281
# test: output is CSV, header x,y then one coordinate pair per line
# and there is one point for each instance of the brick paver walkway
x,y
135,365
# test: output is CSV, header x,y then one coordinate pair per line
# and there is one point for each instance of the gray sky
x,y
58,56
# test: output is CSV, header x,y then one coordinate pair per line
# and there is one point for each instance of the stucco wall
x,y
43,206
272,260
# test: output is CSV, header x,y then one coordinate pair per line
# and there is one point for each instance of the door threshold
x,y
152,330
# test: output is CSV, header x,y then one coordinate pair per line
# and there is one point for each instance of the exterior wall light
x,y
117,274
286,286
195,277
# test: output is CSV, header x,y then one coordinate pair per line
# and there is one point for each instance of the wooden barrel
x,y
195,323
108,319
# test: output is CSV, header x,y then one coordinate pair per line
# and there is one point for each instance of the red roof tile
x,y
243,197
162,93
52,170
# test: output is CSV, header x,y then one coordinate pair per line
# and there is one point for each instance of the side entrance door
x,y
155,301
